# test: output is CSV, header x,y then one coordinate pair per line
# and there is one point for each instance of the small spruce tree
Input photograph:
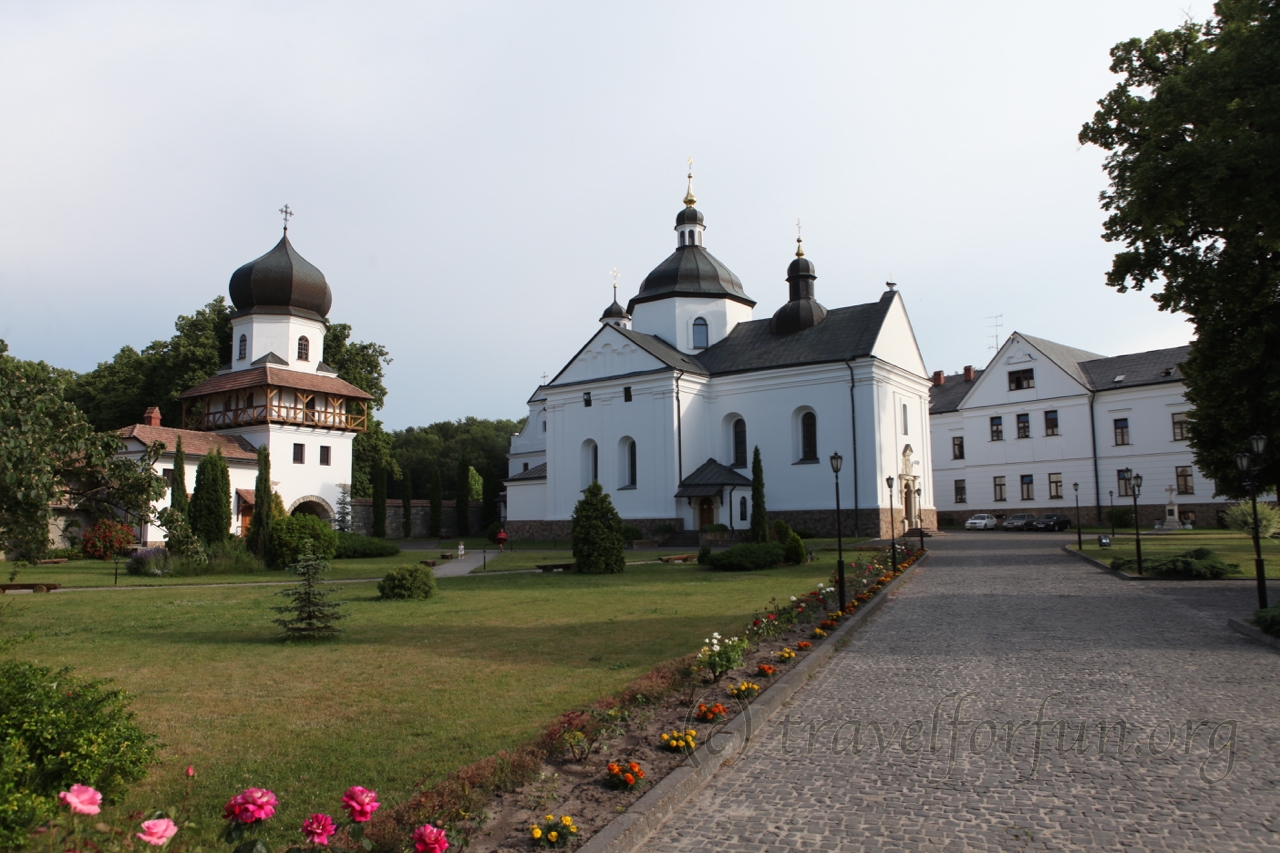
x,y
406,504
437,506
344,508
259,538
462,499
210,508
379,477
597,534
759,515
309,614
178,488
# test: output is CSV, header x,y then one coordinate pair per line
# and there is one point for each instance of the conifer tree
x,y
379,477
178,488
259,538
406,504
437,506
759,515
597,534
310,615
210,508
462,498
344,508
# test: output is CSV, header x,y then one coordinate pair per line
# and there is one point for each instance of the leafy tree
x,y
309,615
210,510
482,444
597,534
370,450
259,538
437,506
1192,135
476,484
178,488
360,363
379,478
406,504
295,536
759,531
462,499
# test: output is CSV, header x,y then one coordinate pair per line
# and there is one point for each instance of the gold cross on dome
x,y
287,213
614,273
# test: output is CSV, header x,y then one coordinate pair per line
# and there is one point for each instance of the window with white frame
x,y
1028,487
1055,486
997,488
962,496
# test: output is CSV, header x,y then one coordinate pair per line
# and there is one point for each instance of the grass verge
x,y
1232,547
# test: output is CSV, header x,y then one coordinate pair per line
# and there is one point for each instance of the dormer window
x,y
244,347
700,334
304,349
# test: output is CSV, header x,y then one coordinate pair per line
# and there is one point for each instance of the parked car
x,y
981,521
1052,521
1020,521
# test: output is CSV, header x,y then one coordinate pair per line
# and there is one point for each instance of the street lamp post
x,y
1111,495
1075,487
1135,488
1250,464
920,526
836,462
893,529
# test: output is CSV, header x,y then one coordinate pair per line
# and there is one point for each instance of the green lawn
x,y
82,573
411,691
520,561
1230,546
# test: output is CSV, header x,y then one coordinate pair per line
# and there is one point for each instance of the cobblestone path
x,y
870,756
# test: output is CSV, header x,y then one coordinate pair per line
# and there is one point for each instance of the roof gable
x,y
613,351
1055,373
194,444
896,340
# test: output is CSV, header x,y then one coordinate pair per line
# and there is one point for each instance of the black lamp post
x,y
920,526
893,526
836,461
1075,487
1112,497
1250,464
1135,488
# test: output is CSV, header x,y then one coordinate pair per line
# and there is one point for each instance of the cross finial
x,y
614,273
287,214
799,240
689,199
544,378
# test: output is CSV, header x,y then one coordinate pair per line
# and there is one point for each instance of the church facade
x,y
276,391
666,402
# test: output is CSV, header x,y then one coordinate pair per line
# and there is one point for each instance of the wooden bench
x,y
555,567
678,558
57,561
430,563
448,555
15,587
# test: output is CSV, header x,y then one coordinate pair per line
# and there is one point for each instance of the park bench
x,y
15,587
57,561
429,563
555,567
447,555
678,558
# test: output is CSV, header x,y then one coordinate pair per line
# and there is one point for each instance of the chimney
x,y
939,377
968,373
151,417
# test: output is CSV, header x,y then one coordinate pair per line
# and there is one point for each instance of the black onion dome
x,y
282,280
689,216
615,312
690,271
802,311
801,266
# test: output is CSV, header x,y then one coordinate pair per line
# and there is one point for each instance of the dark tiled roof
x,y
947,396
281,279
246,495
1068,358
256,377
537,472
269,358
193,443
690,271
709,479
1142,368
664,352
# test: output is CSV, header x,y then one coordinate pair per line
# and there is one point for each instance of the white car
x,y
981,521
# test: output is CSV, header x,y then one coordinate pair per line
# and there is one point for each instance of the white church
x,y
277,391
666,401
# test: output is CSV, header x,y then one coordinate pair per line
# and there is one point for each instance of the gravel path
x,y
869,757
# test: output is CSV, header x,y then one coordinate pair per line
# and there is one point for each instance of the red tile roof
x,y
193,443
246,495
256,377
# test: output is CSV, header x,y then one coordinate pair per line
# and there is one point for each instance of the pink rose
x,y
158,832
430,839
251,804
360,803
191,770
82,799
318,828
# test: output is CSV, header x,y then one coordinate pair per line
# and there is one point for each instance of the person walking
x,y
502,538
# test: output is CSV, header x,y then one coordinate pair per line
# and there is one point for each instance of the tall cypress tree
x,y
406,504
178,488
462,498
437,505
379,477
259,538
210,509
759,515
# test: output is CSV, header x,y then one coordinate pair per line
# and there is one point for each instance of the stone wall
x,y
362,518
871,522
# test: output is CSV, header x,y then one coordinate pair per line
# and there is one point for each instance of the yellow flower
x,y
573,829
550,818
566,820
666,736
552,836
690,732
536,833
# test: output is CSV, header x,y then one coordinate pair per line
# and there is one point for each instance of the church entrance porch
x,y
706,513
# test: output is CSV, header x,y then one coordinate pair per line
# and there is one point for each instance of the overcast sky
x,y
466,175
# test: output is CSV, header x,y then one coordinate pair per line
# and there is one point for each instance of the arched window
x,y
631,464
244,347
809,437
304,348
590,463
700,333
739,443
595,463
681,238
742,509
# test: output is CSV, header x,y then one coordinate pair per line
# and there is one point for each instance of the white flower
x,y
706,641
793,598
715,648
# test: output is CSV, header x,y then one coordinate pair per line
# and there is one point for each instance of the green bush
x,y
491,532
293,535
1197,563
1239,517
149,563
781,531
58,730
597,534
405,582
704,555
715,528
793,551
747,557
631,534
1119,517
804,534
1269,619
355,545
63,554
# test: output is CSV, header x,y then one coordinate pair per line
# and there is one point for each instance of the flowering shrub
x,y
711,713
804,645
819,633
786,656
105,539
721,655
318,828
680,741
624,777
70,835
576,733
360,803
149,562
766,670
746,691
552,832
827,624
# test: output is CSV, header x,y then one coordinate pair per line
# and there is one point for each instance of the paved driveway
x,y
874,755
